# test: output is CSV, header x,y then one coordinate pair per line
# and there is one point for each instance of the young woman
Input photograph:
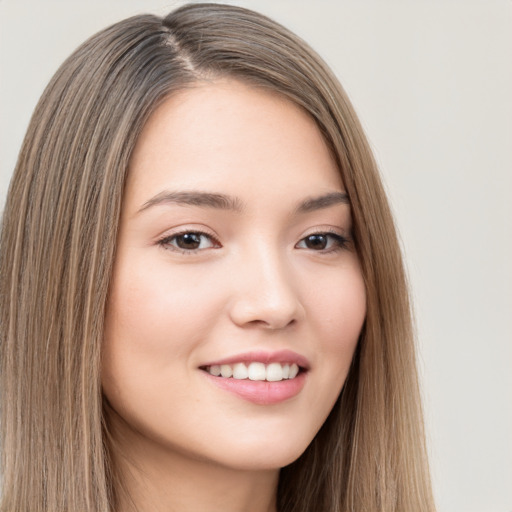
x,y
203,300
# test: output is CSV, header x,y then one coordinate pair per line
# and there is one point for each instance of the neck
x,y
157,480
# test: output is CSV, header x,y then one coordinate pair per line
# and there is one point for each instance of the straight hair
x,y
58,244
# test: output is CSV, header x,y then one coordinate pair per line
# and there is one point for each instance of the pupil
x,y
316,242
189,241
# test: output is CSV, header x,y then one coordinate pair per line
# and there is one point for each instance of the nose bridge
x,y
265,289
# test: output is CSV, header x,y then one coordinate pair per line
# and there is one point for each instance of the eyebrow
x,y
202,199
225,202
320,202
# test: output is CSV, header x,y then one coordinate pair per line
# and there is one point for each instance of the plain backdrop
x,y
432,83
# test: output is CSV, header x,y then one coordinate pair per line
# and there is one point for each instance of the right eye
x,y
323,242
188,241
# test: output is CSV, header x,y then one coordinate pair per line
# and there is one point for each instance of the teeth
x,y
294,369
256,371
215,370
273,372
240,371
225,370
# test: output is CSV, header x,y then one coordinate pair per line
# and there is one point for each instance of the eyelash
x,y
339,242
166,241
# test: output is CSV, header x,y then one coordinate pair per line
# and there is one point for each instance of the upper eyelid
x,y
343,233
164,242
206,232
170,236
173,232
341,238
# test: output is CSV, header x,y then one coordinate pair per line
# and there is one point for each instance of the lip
x,y
262,392
280,356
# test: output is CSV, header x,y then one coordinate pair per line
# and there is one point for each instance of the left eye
x,y
322,242
189,241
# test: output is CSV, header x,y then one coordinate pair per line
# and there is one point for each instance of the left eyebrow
x,y
195,198
320,202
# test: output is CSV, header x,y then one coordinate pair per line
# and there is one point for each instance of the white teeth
x,y
215,370
256,371
240,371
273,372
225,370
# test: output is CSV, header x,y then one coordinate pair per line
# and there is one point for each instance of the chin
x,y
265,454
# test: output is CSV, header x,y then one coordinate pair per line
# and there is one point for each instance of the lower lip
x,y
261,392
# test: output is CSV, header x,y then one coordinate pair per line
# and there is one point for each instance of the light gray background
x,y
432,83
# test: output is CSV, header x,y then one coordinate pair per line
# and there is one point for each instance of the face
x,y
237,298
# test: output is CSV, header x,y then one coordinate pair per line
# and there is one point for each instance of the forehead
x,y
230,137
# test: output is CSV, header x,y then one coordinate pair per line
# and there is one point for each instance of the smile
x,y
260,377
255,371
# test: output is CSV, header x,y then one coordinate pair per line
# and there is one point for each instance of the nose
x,y
265,292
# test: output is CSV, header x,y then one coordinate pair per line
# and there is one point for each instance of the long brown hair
x,y
58,245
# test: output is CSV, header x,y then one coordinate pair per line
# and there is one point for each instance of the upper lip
x,y
265,357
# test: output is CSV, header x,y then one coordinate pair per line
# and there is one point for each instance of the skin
x,y
255,282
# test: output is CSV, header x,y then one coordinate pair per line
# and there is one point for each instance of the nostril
x,y
271,324
266,297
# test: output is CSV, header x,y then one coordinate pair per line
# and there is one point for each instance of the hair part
x,y
58,244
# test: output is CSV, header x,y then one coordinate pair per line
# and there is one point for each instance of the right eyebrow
x,y
312,204
192,198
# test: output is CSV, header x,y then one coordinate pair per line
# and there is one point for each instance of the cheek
x,y
154,321
339,309
149,307
338,313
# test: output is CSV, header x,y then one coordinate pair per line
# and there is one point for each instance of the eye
x,y
325,242
189,241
